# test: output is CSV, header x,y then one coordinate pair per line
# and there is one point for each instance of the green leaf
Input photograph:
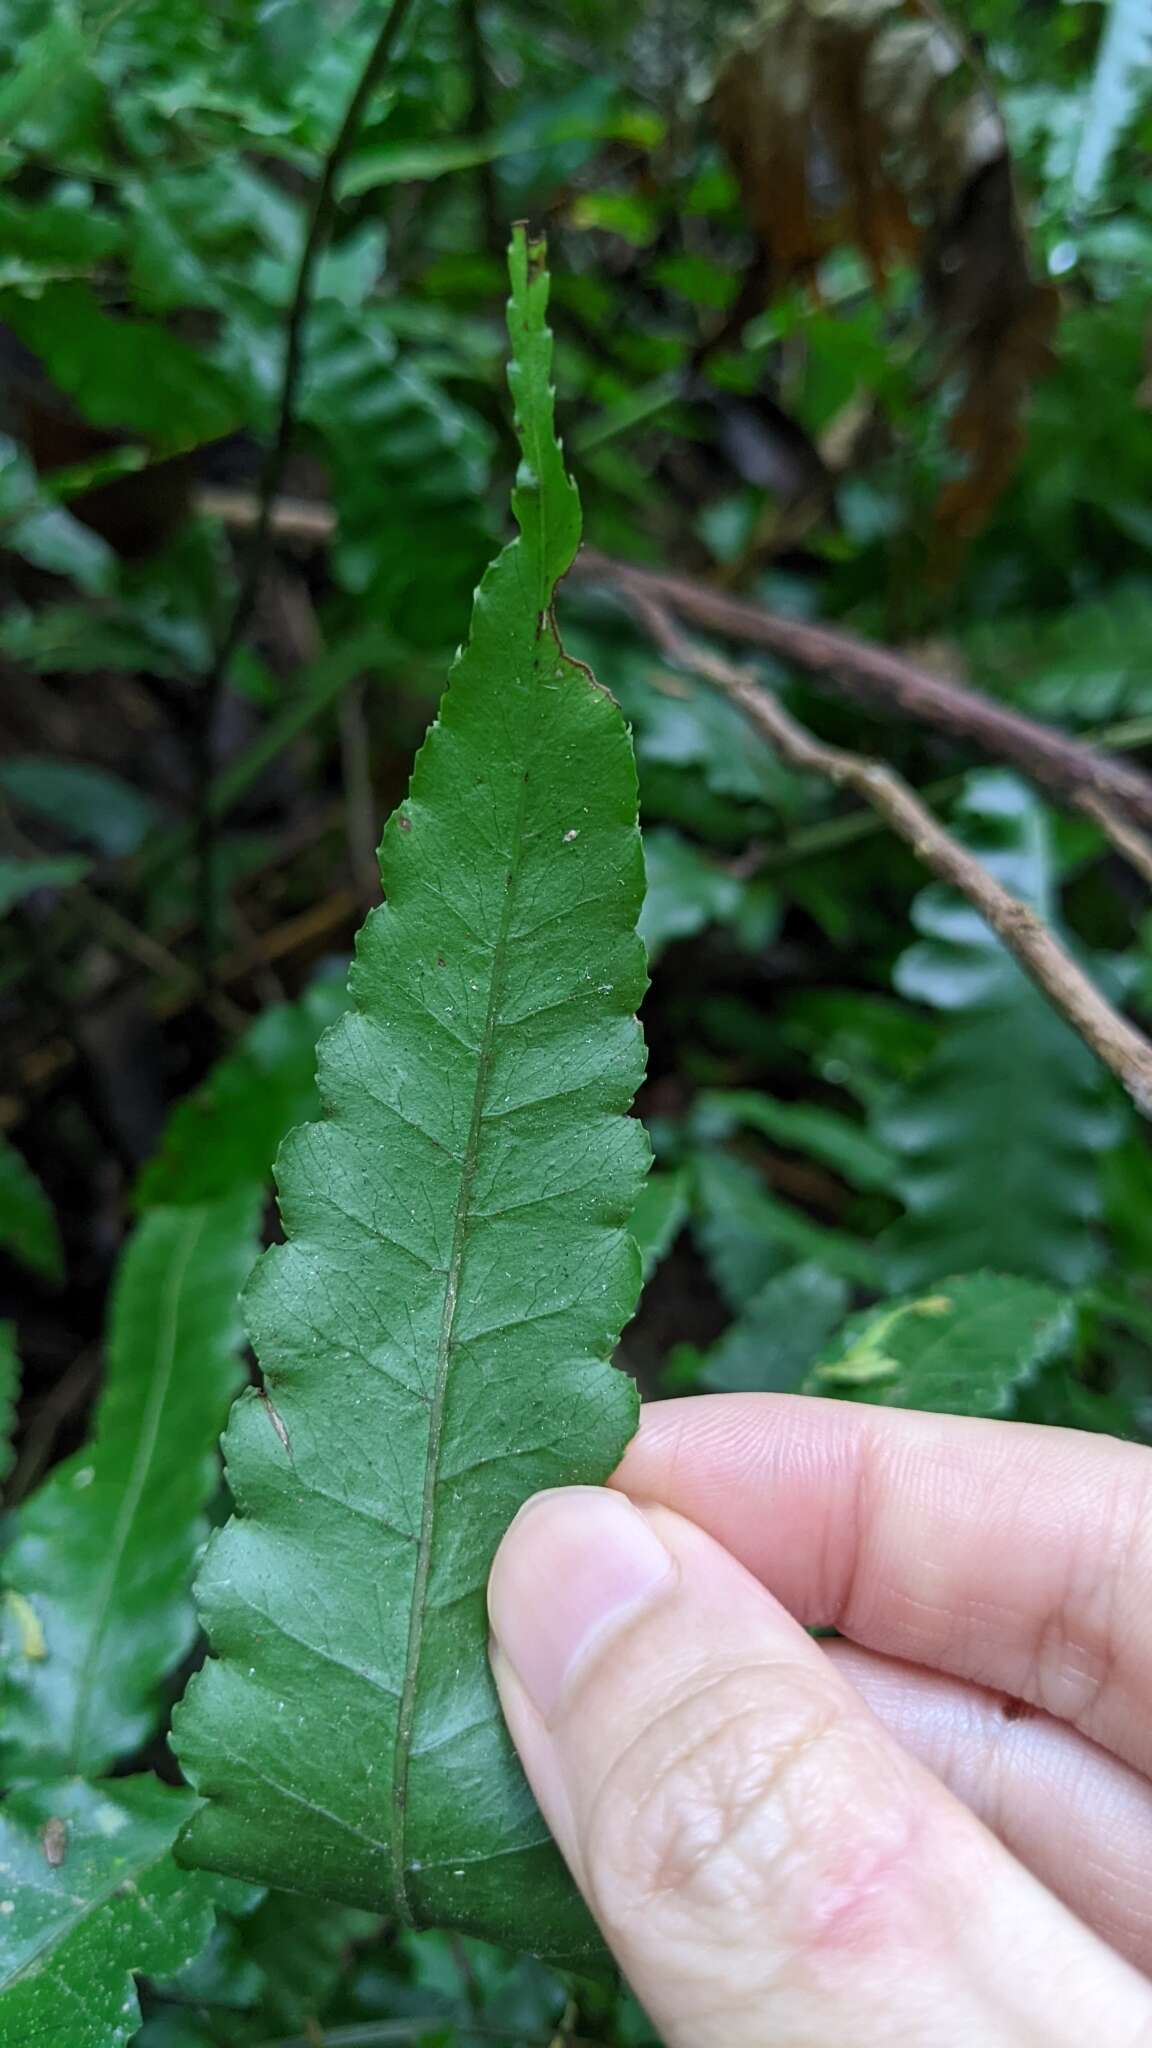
x,y
1122,77
28,1229
804,1127
686,891
9,1393
92,1897
34,527
771,1346
59,48
435,1333
748,1234
21,878
409,473
103,1553
968,1348
227,1133
87,803
50,240
660,1215
130,375
280,1962
681,723
1000,1140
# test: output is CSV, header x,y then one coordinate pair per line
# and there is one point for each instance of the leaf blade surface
x,y
92,1894
435,1333
103,1552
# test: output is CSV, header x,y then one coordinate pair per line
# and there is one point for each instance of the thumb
x,y
764,1860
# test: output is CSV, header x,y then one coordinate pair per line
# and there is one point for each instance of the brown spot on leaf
x,y
54,1840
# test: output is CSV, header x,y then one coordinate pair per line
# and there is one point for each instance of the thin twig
x,y
1135,846
479,122
1116,1042
313,523
319,228
860,668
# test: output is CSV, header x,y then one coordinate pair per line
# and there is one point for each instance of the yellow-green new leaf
x,y
435,1334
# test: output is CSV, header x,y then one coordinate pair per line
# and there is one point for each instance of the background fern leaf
x,y
102,1554
435,1333
999,1140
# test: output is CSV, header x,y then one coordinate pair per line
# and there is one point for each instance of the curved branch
x,y
1117,1043
1068,767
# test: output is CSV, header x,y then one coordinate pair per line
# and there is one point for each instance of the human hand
x,y
879,1841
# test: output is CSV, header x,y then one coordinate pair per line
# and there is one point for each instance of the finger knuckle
x,y
732,1804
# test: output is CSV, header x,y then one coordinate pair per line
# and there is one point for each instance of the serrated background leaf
x,y
435,1333
103,1551
73,1932
999,1142
968,1348
748,1235
770,1347
409,474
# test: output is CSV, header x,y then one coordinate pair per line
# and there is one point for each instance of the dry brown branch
x,y
307,520
1116,1042
1094,783
859,668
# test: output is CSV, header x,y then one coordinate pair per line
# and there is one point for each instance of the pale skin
x,y
936,1831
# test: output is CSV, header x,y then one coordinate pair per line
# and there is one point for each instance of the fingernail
x,y
573,1567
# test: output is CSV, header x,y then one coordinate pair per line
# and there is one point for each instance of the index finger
x,y
1016,1556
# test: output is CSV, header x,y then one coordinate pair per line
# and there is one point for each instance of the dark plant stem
x,y
479,123
324,206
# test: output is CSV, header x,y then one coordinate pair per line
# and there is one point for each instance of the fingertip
x,y
576,1565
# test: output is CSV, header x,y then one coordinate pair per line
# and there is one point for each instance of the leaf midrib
x,y
406,1715
137,1480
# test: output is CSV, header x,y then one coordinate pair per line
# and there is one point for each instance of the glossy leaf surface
x,y
91,1895
435,1333
102,1554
